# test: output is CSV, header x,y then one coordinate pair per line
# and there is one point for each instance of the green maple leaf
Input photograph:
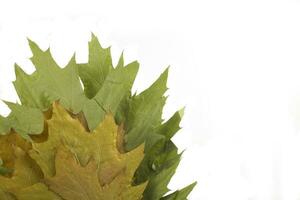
x,y
94,73
49,82
24,120
145,112
116,85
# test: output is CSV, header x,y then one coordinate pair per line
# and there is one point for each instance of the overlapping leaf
x,y
73,164
106,92
4,125
94,73
180,194
115,87
49,82
7,151
25,120
145,112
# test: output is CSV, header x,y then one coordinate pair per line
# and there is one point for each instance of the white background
x,y
235,65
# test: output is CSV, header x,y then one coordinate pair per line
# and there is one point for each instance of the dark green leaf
x,y
157,185
180,194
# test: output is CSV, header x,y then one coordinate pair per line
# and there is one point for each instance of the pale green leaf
x,y
94,73
49,82
25,120
121,61
115,87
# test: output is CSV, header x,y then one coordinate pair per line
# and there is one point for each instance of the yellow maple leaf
x,y
71,163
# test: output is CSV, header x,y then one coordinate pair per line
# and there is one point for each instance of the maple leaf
x,y
73,181
26,173
38,191
96,154
101,123
8,144
49,82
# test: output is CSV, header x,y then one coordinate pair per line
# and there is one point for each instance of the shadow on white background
x,y
235,65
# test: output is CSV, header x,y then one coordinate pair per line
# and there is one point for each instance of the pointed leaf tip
x,y
166,72
121,60
180,194
181,112
93,35
18,70
9,104
72,59
94,41
33,46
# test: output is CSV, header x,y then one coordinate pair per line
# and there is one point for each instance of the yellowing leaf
x,y
72,181
8,143
6,196
37,191
26,173
101,144
90,161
